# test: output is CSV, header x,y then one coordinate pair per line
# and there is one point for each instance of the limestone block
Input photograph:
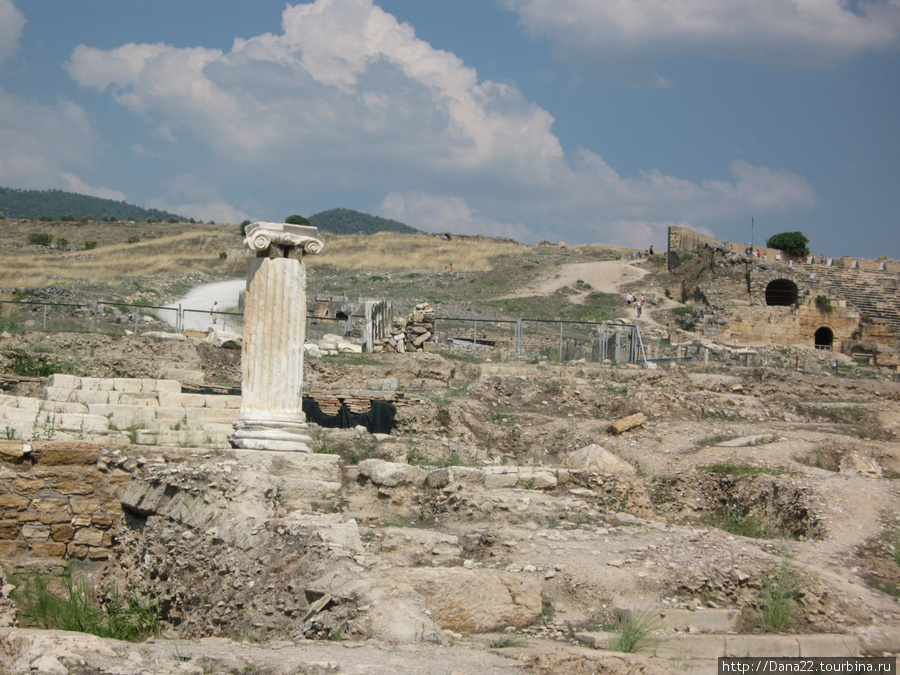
x,y
90,384
129,384
7,401
138,398
58,453
56,394
215,401
47,549
711,620
464,475
828,645
414,546
188,510
11,451
13,502
170,414
627,423
143,497
689,646
35,532
184,400
180,375
56,407
392,474
597,460
496,477
106,384
27,403
761,645
89,536
90,396
64,381
9,529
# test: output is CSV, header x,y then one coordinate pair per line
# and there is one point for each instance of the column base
x,y
276,436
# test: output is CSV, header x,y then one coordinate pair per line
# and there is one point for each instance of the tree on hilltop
x,y
793,244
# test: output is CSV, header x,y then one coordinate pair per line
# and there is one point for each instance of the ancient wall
x,y
58,500
794,325
685,239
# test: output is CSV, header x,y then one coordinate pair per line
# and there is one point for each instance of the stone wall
x,y
58,500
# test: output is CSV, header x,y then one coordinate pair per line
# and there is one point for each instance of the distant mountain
x,y
61,205
347,221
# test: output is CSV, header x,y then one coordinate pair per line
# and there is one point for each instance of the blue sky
x,y
564,120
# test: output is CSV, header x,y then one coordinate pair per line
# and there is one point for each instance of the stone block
x,y
500,477
9,529
81,507
143,497
761,645
57,394
55,518
464,475
28,486
90,384
214,401
35,532
64,381
13,502
138,398
392,474
168,386
128,384
689,646
62,532
828,645
47,549
89,536
106,384
627,423
170,414
91,396
73,488
50,505
60,453
11,451
11,549
707,620
184,400
53,409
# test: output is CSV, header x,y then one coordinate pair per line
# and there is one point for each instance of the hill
x,y
347,221
62,205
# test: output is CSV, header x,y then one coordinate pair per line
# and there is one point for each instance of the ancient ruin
x,y
271,416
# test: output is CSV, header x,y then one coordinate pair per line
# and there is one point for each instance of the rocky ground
x,y
481,518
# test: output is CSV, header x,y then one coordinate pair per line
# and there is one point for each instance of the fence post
x,y
179,319
45,317
475,337
135,320
560,341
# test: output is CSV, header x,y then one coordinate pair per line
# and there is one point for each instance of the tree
x,y
296,220
792,243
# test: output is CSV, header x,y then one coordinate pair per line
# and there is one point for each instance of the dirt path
x,y
199,300
606,277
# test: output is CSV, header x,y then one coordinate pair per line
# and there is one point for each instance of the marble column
x,y
271,415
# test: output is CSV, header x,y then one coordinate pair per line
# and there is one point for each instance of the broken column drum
x,y
271,415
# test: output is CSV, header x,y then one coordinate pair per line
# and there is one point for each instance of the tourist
x,y
629,299
214,312
791,263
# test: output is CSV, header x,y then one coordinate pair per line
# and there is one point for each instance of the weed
x,y
884,587
742,524
631,632
548,611
778,605
614,390
128,617
322,449
506,641
27,364
451,458
181,654
715,440
740,469
498,417
334,635
10,433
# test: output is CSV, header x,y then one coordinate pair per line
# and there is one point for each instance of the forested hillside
x,y
61,205
347,221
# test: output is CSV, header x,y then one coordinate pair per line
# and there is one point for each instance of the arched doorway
x,y
824,338
781,293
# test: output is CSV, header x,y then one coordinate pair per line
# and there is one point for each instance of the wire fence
x,y
618,342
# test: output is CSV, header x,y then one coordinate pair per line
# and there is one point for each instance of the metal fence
x,y
521,338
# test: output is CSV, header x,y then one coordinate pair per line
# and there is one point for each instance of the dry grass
x,y
421,252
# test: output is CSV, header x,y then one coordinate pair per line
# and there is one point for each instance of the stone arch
x,y
781,293
824,338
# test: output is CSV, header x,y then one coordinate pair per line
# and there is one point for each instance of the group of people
x,y
635,301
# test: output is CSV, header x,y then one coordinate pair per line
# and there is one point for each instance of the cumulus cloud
x,y
803,32
11,23
38,141
75,184
348,98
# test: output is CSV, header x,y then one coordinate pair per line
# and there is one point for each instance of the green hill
x,y
347,221
61,205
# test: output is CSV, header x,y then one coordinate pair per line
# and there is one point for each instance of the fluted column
x,y
271,415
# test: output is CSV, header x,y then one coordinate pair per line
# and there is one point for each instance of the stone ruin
x,y
415,333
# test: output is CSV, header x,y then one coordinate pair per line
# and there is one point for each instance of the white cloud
x,y
218,212
11,23
75,184
804,32
347,97
40,142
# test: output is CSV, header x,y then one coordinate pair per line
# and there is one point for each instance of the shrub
x,y
62,242
823,303
133,240
223,255
296,220
632,631
40,239
88,245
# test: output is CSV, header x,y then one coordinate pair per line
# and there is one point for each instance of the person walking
x,y
214,312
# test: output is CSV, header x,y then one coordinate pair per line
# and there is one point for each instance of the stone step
x,y
704,620
692,647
